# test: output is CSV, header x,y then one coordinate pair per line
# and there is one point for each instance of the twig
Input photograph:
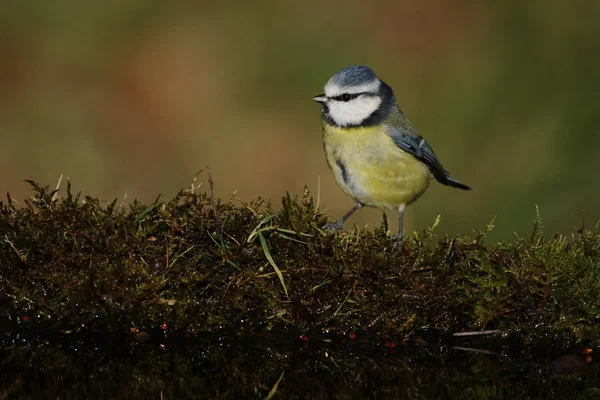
x,y
474,350
478,333
212,198
21,255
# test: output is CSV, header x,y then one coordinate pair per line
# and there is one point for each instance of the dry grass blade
x,y
55,195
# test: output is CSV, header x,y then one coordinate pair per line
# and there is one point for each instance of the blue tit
x,y
375,154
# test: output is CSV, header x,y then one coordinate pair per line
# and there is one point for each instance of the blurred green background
x,y
137,96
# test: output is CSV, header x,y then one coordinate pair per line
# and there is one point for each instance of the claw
x,y
333,228
338,225
398,240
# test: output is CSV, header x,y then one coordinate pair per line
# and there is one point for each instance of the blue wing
x,y
414,144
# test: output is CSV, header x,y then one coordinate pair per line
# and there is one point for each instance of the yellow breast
x,y
371,169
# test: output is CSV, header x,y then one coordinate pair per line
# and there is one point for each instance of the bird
x,y
375,154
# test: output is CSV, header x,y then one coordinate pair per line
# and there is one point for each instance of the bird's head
x,y
355,96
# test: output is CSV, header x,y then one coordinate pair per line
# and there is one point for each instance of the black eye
x,y
345,97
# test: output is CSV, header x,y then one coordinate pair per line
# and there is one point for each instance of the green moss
x,y
202,265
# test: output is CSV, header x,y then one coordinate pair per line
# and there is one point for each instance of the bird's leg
x,y
398,238
338,225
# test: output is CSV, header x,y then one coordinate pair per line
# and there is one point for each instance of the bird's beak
x,y
320,98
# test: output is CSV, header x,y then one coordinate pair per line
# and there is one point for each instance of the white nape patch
x,y
332,89
355,111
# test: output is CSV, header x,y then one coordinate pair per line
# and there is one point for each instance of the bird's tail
x,y
450,181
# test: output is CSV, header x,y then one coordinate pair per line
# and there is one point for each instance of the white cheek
x,y
354,111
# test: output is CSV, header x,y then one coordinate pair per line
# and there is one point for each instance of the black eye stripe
x,y
346,96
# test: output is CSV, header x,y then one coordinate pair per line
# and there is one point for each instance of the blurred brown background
x,y
137,96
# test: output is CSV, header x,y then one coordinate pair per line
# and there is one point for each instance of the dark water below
x,y
164,365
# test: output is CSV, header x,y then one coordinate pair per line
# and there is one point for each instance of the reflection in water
x,y
94,365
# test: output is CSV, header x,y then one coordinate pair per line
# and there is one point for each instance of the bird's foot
x,y
398,240
333,228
